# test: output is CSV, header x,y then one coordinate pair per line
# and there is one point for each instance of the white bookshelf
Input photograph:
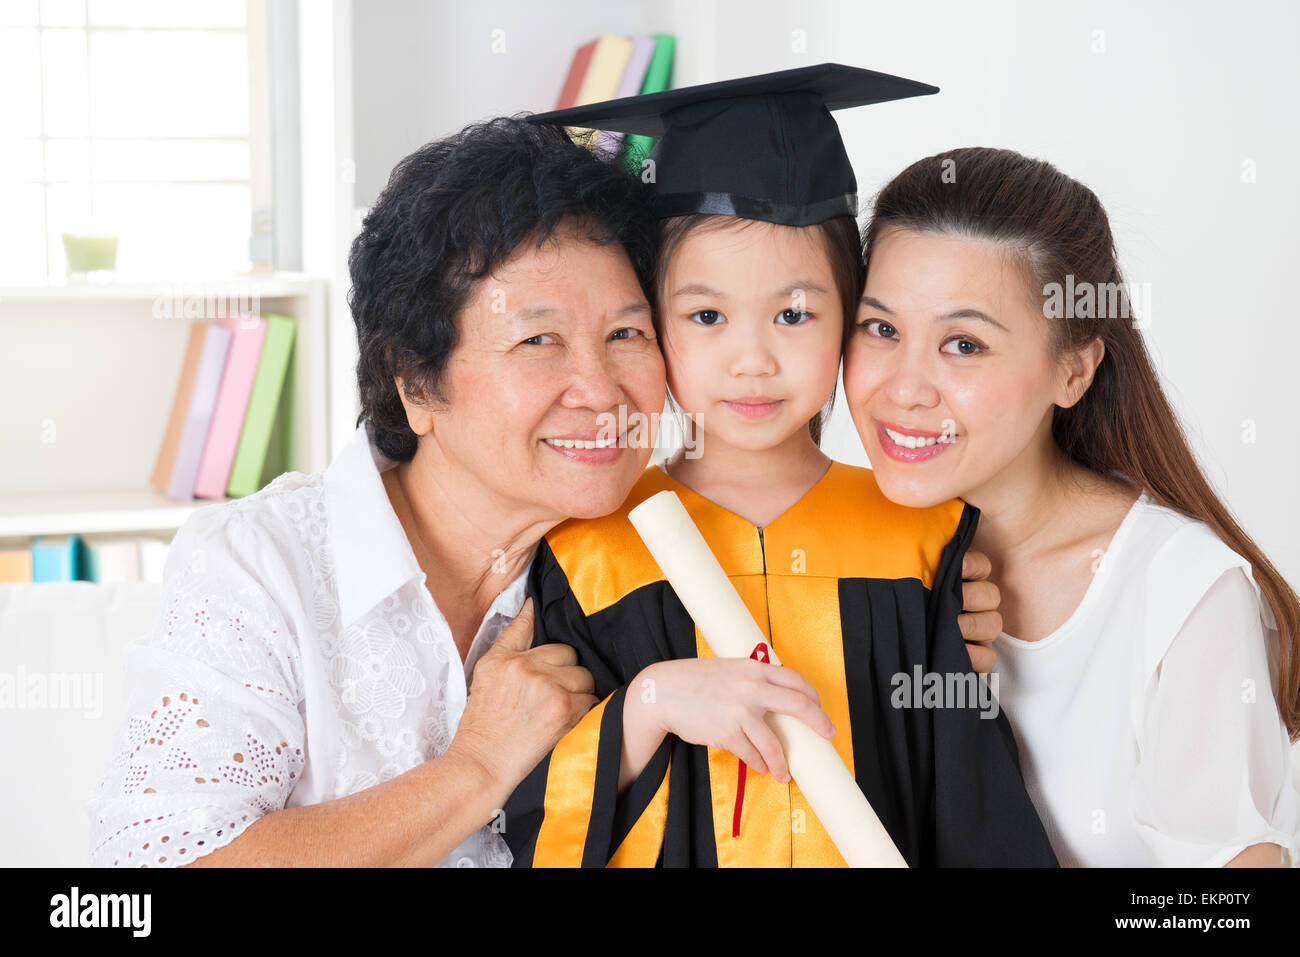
x,y
87,377
62,513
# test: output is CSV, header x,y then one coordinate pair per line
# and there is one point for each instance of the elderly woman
x,y
306,695
303,699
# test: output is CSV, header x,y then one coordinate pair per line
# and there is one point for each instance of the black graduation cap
x,y
760,147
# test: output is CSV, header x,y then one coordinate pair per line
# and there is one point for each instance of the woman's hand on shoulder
x,y
980,621
521,702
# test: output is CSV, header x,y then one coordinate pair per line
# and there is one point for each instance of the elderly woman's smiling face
x,y
551,346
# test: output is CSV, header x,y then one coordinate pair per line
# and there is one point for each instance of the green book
x,y
658,77
263,403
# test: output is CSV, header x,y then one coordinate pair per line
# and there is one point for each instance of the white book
x,y
153,557
112,558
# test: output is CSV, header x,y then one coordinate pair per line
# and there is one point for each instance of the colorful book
x,y
577,72
198,416
633,79
247,335
658,77
15,565
604,73
57,558
162,470
263,404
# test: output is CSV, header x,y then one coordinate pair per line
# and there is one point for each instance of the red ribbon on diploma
x,y
758,654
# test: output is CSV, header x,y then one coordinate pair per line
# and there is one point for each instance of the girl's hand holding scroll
x,y
719,702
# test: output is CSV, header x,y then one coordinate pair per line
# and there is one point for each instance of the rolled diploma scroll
x,y
726,624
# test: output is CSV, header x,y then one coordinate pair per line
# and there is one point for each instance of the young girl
x,y
759,273
1145,630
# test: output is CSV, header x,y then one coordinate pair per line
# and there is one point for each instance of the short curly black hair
x,y
452,212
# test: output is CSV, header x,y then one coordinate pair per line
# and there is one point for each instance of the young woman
x,y
996,357
853,592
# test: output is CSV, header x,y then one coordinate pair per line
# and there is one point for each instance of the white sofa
x,y
67,641
63,642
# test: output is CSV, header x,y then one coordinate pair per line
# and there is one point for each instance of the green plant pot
x,y
88,254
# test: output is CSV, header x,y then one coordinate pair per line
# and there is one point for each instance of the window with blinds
x,y
133,118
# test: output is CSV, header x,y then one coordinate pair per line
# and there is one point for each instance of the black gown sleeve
x,y
983,815
567,811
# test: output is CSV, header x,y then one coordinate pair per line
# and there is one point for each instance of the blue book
x,y
57,558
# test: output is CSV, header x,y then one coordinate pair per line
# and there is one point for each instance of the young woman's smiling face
x,y
752,326
951,354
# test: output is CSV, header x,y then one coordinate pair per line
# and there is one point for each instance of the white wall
x,y
1158,121
422,70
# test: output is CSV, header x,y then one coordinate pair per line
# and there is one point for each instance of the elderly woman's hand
x,y
521,702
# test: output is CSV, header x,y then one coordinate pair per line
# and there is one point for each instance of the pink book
x,y
247,335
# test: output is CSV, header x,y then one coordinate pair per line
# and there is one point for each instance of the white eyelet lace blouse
x,y
297,657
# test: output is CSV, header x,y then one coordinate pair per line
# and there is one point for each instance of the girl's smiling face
x,y
752,325
950,348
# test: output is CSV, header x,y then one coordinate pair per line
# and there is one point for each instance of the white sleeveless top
x,y
1147,727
